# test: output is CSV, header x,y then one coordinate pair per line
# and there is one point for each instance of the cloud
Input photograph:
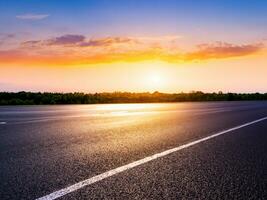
x,y
66,39
31,43
57,41
221,50
7,35
32,16
4,37
73,49
108,41
80,41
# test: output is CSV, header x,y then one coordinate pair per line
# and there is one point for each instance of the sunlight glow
x,y
124,107
155,79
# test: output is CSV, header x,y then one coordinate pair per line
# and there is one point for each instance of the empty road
x,y
209,150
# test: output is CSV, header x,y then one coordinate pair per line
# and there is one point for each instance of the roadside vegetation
x,y
37,98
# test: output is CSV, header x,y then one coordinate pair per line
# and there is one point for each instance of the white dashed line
x,y
1,123
115,171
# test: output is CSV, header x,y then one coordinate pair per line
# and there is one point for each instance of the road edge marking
x,y
94,179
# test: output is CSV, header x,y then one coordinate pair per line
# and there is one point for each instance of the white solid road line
x,y
115,171
2,123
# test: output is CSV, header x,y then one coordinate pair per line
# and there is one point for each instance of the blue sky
x,y
145,17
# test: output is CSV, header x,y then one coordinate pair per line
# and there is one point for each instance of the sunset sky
x,y
133,45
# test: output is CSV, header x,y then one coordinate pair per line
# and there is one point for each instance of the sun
x,y
155,79
153,76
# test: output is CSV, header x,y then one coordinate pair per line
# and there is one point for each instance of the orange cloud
x,y
222,50
78,50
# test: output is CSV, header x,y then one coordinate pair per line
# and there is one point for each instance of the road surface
x,y
214,150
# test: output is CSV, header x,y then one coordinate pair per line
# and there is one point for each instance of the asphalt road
x,y
47,148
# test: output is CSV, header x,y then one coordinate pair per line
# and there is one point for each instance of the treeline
x,y
38,98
